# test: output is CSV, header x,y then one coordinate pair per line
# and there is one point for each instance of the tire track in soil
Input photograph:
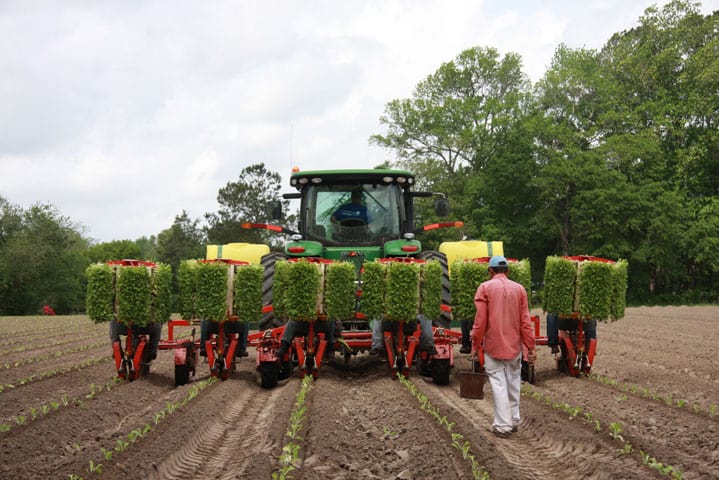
x,y
226,445
547,445
364,424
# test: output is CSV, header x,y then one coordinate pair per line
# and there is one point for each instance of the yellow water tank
x,y
246,252
470,249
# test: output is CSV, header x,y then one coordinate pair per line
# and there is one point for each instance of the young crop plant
x,y
161,293
100,296
136,434
247,295
211,290
619,289
431,289
133,293
289,457
187,282
458,440
466,277
373,289
302,291
280,283
340,291
402,298
560,277
521,272
594,289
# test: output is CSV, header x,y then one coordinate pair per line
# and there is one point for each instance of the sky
x,y
122,114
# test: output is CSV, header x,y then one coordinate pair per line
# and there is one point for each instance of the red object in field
x,y
47,310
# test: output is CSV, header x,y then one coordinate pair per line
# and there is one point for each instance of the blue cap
x,y
497,261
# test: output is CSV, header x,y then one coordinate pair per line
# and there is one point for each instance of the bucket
x,y
471,382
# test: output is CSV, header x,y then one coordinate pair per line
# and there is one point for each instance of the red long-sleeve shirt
x,y
502,318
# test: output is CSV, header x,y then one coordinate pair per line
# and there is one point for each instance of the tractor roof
x,y
299,179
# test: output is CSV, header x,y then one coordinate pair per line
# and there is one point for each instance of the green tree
x,y
182,241
246,200
148,247
43,262
114,250
456,124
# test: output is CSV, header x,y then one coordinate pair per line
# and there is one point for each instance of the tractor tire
x,y
440,371
268,320
182,375
269,374
445,317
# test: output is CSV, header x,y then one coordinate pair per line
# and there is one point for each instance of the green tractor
x,y
360,216
377,223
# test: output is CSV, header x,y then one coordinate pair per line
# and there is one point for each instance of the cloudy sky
x,y
123,113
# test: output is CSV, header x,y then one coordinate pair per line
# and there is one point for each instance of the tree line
x,y
613,152
43,254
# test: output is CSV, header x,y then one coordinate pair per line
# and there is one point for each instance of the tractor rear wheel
x,y
445,318
268,320
269,373
182,375
440,371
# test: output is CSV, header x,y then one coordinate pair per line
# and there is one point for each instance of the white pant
x,y
505,377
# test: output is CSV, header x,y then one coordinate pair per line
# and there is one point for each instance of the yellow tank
x,y
470,249
246,252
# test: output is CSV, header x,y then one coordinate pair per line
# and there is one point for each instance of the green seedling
x,y
386,432
95,468
121,445
107,454
627,449
615,431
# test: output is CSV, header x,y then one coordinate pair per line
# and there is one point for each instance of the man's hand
x,y
531,357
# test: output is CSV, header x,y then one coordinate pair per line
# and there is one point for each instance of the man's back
x,y
503,315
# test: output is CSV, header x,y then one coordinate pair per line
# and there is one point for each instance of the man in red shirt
x,y
502,326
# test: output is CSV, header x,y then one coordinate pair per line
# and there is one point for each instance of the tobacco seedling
x,y
615,431
95,468
121,445
107,454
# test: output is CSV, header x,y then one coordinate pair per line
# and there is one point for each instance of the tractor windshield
x,y
352,213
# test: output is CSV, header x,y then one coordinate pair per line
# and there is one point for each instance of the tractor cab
x,y
358,209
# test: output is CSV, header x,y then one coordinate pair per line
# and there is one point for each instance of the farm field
x,y
649,410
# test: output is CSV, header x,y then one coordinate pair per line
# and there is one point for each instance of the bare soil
x,y
654,379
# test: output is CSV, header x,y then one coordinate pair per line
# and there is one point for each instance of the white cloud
x,y
122,114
